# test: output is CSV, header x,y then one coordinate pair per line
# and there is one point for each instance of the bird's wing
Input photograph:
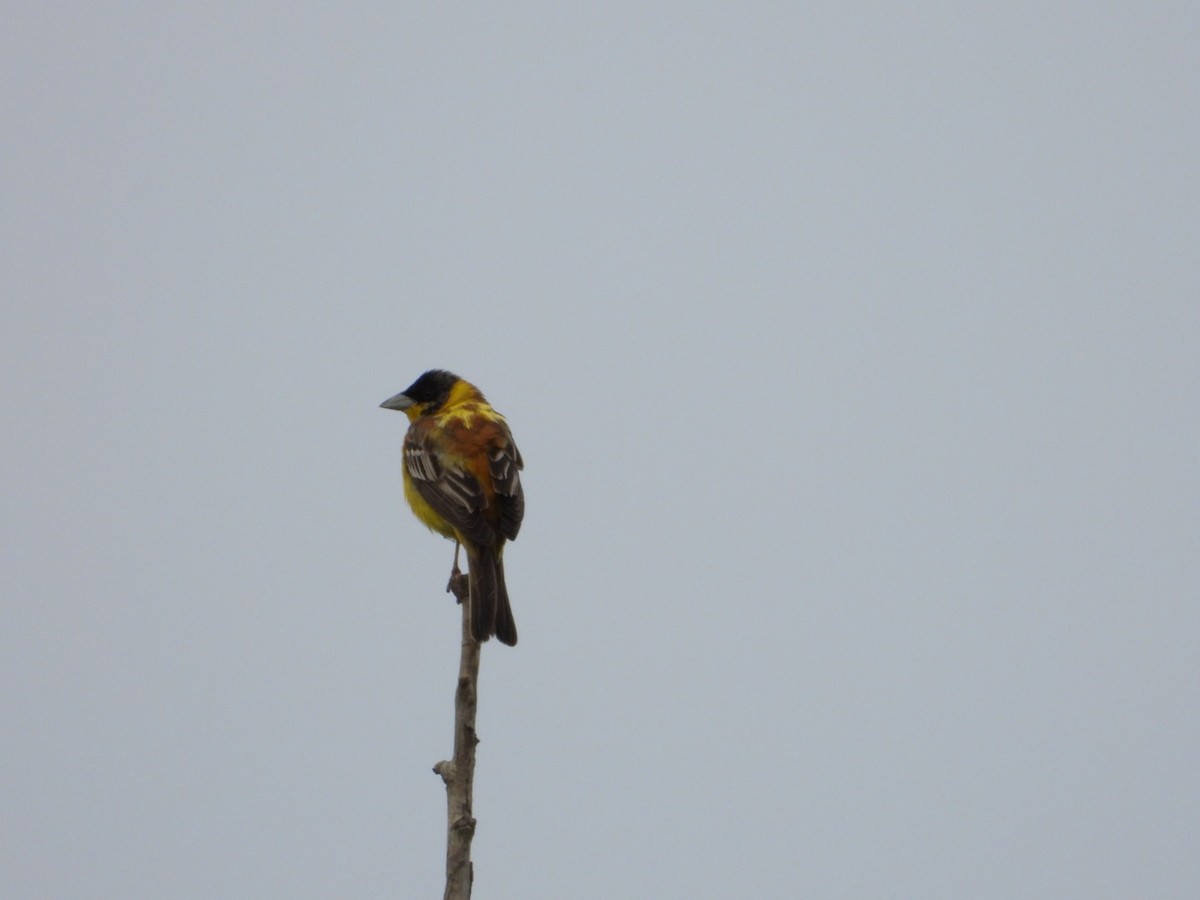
x,y
505,464
453,493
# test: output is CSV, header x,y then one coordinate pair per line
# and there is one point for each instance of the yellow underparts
x,y
425,513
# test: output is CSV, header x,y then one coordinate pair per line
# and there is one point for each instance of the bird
x,y
462,479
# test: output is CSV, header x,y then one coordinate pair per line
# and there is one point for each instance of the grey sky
x,y
853,353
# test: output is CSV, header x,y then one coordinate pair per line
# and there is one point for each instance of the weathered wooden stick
x,y
459,773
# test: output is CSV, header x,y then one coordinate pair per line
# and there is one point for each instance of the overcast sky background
x,y
854,354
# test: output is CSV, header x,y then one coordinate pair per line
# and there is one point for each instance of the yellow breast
x,y
423,511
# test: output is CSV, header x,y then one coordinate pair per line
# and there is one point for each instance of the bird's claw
x,y
457,585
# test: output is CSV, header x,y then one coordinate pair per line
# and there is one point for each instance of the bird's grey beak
x,y
400,402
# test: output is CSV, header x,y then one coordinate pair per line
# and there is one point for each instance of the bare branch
x,y
459,773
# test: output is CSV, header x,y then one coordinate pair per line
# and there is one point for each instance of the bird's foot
x,y
458,585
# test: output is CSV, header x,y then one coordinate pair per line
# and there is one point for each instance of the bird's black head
x,y
432,388
425,394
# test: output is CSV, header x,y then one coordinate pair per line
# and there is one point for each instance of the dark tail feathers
x,y
490,612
